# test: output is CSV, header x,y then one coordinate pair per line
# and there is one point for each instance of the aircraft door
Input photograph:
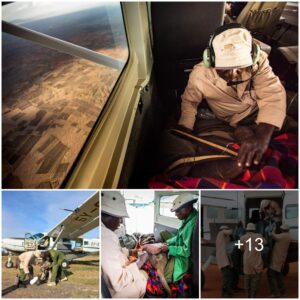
x,y
30,243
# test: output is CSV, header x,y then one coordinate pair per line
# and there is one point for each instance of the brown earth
x,y
212,287
83,281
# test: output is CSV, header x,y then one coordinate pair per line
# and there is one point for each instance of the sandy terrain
x,y
212,287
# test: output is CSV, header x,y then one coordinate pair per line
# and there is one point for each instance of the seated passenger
x,y
178,248
124,278
240,88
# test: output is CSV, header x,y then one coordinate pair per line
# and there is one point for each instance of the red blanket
x,y
278,170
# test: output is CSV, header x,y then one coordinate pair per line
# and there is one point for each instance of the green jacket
x,y
180,246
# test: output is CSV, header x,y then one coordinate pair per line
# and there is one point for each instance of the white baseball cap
x,y
113,203
232,49
265,203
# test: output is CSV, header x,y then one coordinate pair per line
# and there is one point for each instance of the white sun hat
x,y
113,203
182,200
232,49
251,227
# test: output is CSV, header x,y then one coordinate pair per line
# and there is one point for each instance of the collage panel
x,y
249,244
50,244
149,244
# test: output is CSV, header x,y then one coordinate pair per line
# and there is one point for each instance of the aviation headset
x,y
209,53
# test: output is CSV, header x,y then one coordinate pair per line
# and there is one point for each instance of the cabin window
x,y
231,213
52,100
291,211
85,243
211,212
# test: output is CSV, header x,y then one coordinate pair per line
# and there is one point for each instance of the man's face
x,y
183,213
230,74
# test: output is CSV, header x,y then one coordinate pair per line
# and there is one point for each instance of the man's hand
x,y
253,148
164,248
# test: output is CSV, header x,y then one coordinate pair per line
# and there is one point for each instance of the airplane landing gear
x,y
9,264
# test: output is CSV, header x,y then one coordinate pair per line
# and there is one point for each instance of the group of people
x,y
127,278
50,266
263,243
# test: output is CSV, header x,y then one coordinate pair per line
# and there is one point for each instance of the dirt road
x,y
212,287
83,282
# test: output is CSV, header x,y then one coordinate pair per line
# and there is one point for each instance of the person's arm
x,y
191,98
118,276
185,249
271,101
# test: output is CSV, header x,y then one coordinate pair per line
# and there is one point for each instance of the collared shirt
x,y
181,244
123,280
234,103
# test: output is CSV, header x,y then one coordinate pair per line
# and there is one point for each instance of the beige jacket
x,y
252,260
122,281
27,259
230,104
222,240
280,250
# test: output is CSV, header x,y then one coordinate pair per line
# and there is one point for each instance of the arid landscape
x,y
51,101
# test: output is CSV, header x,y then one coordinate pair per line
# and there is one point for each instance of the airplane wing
x,y
80,221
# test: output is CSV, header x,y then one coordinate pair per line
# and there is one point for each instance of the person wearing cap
x,y
25,262
179,246
252,259
278,258
123,278
241,89
223,261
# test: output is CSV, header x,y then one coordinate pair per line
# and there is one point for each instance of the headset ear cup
x,y
206,58
255,53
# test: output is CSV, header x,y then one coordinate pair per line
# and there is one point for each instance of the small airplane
x,y
65,237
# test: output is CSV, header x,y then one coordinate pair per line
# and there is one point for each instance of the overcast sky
x,y
39,211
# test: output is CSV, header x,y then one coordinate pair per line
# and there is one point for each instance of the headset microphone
x,y
231,83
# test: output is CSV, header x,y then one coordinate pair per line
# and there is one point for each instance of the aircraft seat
x,y
181,31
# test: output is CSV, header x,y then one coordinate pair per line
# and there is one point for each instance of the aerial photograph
x,y
51,100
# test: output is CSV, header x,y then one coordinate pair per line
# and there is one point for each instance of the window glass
x,y
212,212
52,100
291,212
94,25
231,213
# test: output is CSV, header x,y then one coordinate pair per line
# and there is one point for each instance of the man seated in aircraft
x,y
178,247
240,88
278,258
24,263
124,278
57,258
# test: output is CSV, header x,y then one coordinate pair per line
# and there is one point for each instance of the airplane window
x,y
231,213
51,100
291,211
85,243
165,205
37,236
94,25
212,212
